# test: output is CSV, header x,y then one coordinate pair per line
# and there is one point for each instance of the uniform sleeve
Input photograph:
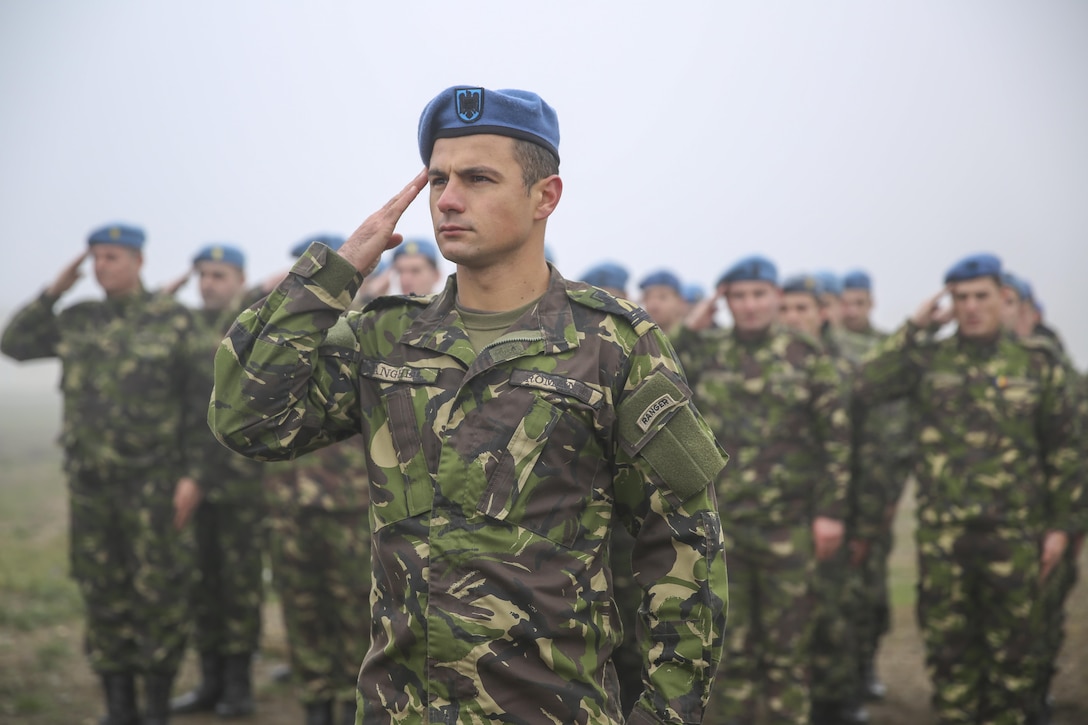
x,y
831,419
1059,428
894,366
33,332
667,463
274,399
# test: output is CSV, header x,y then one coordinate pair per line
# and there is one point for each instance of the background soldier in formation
x,y
510,422
998,486
320,551
229,523
777,403
134,411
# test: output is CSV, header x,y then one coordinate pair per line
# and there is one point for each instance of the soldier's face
x,y
753,305
664,305
977,306
117,268
416,274
800,311
856,306
220,283
482,213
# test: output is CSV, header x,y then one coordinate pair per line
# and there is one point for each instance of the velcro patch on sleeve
x,y
657,422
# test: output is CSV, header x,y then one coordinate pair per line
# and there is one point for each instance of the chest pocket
x,y
545,480
1018,396
406,489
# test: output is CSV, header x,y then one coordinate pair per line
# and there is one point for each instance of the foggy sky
x,y
894,136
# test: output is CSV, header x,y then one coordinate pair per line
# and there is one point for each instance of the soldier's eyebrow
x,y
479,171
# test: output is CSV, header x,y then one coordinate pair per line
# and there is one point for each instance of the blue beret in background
x,y
692,293
829,283
424,247
125,235
465,111
976,265
661,277
803,283
606,274
751,269
332,241
1021,286
219,252
857,279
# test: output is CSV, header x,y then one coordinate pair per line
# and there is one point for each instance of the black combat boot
x,y
347,712
157,698
825,712
120,691
319,713
207,693
237,699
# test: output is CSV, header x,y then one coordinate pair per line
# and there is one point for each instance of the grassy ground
x,y
44,679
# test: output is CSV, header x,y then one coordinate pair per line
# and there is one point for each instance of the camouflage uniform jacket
x,y
229,477
131,400
996,427
494,482
778,403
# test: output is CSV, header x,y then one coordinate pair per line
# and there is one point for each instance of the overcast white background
x,y
895,136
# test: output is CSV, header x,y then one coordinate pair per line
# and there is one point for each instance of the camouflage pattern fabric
x,y
779,405
229,526
494,481
997,466
132,417
320,544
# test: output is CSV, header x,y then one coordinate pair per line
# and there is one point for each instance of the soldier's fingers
x,y
401,201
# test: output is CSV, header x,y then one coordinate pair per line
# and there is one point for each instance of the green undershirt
x,y
484,328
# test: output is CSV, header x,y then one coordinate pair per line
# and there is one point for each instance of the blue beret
x,y
1023,289
661,277
977,265
606,274
461,111
417,246
692,293
124,234
803,283
332,241
829,283
751,269
222,253
857,279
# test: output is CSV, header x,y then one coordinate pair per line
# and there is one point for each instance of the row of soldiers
x,y
825,419
817,410
170,531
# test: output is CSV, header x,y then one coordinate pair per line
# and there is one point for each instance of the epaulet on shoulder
x,y
596,298
386,302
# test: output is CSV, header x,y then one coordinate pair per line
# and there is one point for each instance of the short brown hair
x,y
536,162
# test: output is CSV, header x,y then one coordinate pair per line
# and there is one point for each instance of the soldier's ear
x,y
548,191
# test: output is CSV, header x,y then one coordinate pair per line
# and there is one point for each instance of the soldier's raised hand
x,y
702,313
172,288
67,277
931,312
365,245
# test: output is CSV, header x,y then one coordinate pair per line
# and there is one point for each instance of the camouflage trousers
x,y
134,570
228,591
765,663
839,604
321,570
977,608
874,617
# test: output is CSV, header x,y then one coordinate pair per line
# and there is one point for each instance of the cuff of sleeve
x,y
328,270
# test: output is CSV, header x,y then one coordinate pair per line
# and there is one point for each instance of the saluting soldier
x,y
777,403
229,521
132,433
510,423
998,483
